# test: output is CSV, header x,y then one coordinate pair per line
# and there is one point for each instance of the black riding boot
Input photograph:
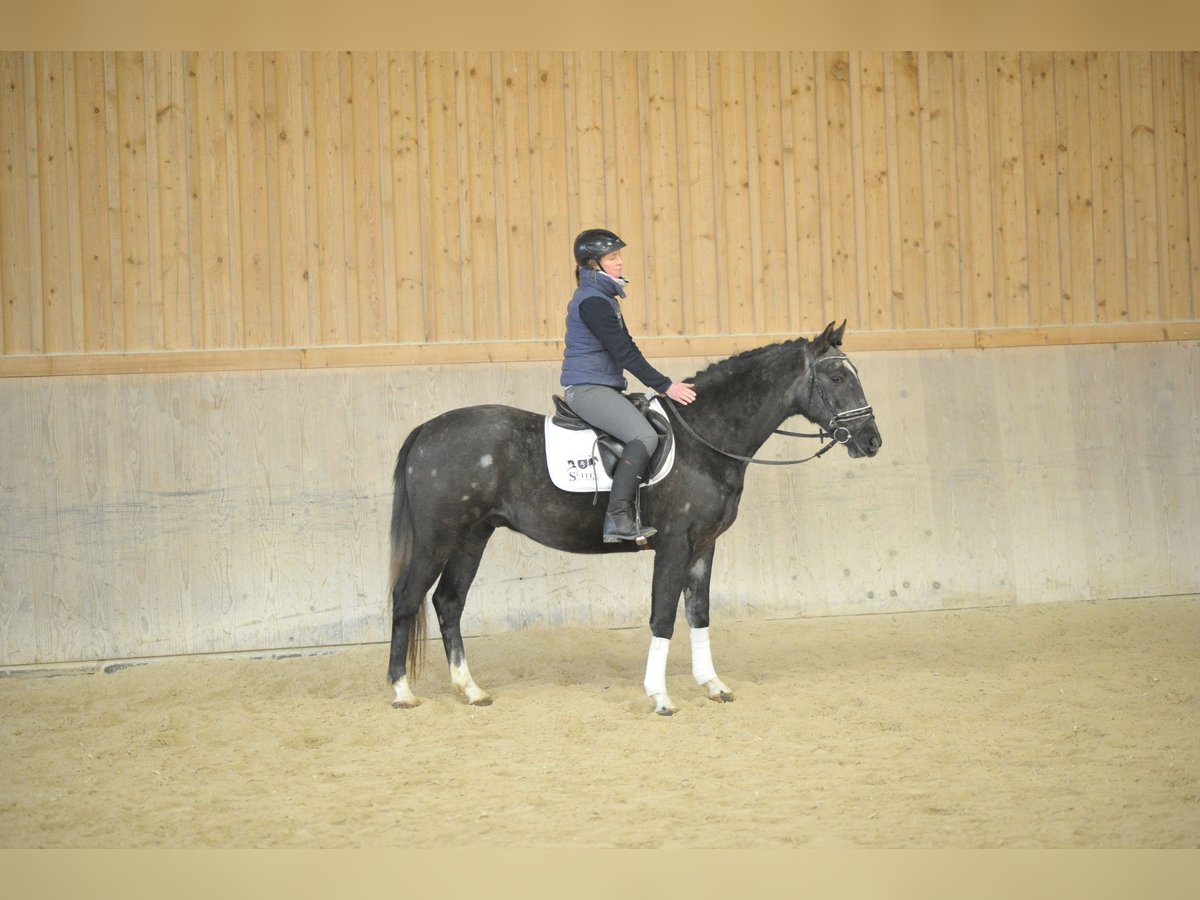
x,y
621,520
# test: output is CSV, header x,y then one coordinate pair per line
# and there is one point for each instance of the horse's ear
x,y
830,337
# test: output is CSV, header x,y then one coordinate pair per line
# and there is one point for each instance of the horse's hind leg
x,y
448,602
408,595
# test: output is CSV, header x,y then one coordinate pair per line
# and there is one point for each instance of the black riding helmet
x,y
595,243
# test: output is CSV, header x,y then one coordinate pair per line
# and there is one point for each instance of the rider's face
x,y
612,263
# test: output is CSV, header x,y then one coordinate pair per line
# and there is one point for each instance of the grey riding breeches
x,y
605,408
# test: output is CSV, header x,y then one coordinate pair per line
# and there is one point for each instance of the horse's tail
x,y
402,552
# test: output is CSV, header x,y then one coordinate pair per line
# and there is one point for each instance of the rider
x,y
598,351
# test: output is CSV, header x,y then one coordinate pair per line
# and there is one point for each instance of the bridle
x,y
835,430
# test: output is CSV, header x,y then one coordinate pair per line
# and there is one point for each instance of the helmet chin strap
x,y
619,279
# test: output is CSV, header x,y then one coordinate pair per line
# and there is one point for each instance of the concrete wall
x,y
159,514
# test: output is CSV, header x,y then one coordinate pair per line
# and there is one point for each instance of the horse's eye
x,y
837,378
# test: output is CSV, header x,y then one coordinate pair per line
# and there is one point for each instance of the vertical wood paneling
x,y
664,283
195,286
974,168
859,251
844,287
259,321
586,153
626,217
216,299
769,197
803,179
551,240
1076,203
369,145
1141,188
141,315
441,118
1191,164
95,286
287,140
732,202
698,244
481,166
228,201
74,225
1108,178
33,317
403,216
172,206
756,201
14,283
943,233
349,305
1172,201
1009,188
1041,180
908,300
330,244
880,200
517,275
58,314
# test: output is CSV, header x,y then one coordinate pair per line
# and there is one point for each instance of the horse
x,y
469,471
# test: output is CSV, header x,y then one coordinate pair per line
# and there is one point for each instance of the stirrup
x,y
638,536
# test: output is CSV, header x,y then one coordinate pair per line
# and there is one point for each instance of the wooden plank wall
x,y
171,211
147,515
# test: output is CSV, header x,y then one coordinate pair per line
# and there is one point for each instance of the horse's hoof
x,y
663,705
482,701
665,709
405,704
722,697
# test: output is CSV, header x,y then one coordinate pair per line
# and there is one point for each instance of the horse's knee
x,y
662,625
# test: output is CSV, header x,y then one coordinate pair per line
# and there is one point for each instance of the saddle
x,y
576,439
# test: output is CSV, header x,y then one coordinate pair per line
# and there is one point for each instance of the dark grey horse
x,y
467,472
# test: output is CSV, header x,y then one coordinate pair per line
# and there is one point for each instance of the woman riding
x,y
599,350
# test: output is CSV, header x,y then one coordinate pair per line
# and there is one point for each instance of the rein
x,y
838,432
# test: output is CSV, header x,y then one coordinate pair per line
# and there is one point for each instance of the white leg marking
x,y
702,667
702,664
656,676
405,698
460,677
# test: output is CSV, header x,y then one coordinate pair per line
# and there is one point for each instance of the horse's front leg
x,y
670,575
695,606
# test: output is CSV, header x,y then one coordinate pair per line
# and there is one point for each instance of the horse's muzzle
x,y
864,440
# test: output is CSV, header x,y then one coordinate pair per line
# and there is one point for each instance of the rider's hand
x,y
681,393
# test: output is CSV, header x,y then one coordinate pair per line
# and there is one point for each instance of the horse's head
x,y
834,398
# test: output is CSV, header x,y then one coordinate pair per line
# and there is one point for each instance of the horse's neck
x,y
741,415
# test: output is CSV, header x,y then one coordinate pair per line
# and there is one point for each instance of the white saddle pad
x,y
573,458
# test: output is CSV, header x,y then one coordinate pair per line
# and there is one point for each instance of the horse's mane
x,y
760,359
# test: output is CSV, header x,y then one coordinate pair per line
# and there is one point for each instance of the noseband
x,y
835,430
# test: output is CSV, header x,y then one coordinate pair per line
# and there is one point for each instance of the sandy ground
x,y
1069,725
